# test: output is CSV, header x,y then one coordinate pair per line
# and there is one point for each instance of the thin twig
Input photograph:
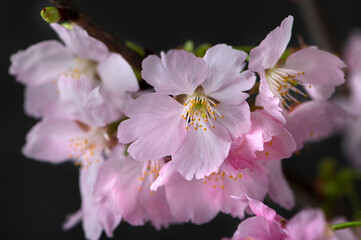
x,y
97,31
319,24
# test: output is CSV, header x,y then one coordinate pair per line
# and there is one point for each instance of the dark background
x,y
35,197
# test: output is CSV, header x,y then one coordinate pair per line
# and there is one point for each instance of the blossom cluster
x,y
209,128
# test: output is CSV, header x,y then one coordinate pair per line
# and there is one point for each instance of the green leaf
x,y
113,127
189,46
286,54
202,49
247,49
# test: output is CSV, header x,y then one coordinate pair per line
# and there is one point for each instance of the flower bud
x,y
50,14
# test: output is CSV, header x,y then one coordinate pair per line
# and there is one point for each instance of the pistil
x,y
199,112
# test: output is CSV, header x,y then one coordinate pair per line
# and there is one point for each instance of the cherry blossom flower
x,y
40,66
253,167
309,71
308,224
266,143
84,138
206,113
124,184
267,140
200,200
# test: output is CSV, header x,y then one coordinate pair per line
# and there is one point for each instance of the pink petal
x,y
123,184
242,154
253,183
176,72
43,101
117,104
49,140
91,224
116,75
108,219
267,54
84,103
279,190
307,225
156,207
237,118
189,200
202,152
40,63
313,120
155,126
81,44
268,101
259,208
118,183
267,140
278,142
72,220
319,67
200,200
232,94
117,81
164,174
320,92
224,81
259,228
269,126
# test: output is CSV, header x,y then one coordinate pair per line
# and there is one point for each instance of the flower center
x,y
80,67
218,179
199,112
90,147
284,84
150,173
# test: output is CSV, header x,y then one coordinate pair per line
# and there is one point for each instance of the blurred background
x,y
36,196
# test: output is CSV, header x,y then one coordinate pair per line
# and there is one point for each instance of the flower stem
x,y
340,226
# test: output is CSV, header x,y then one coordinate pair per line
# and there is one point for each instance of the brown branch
x,y
95,30
319,24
